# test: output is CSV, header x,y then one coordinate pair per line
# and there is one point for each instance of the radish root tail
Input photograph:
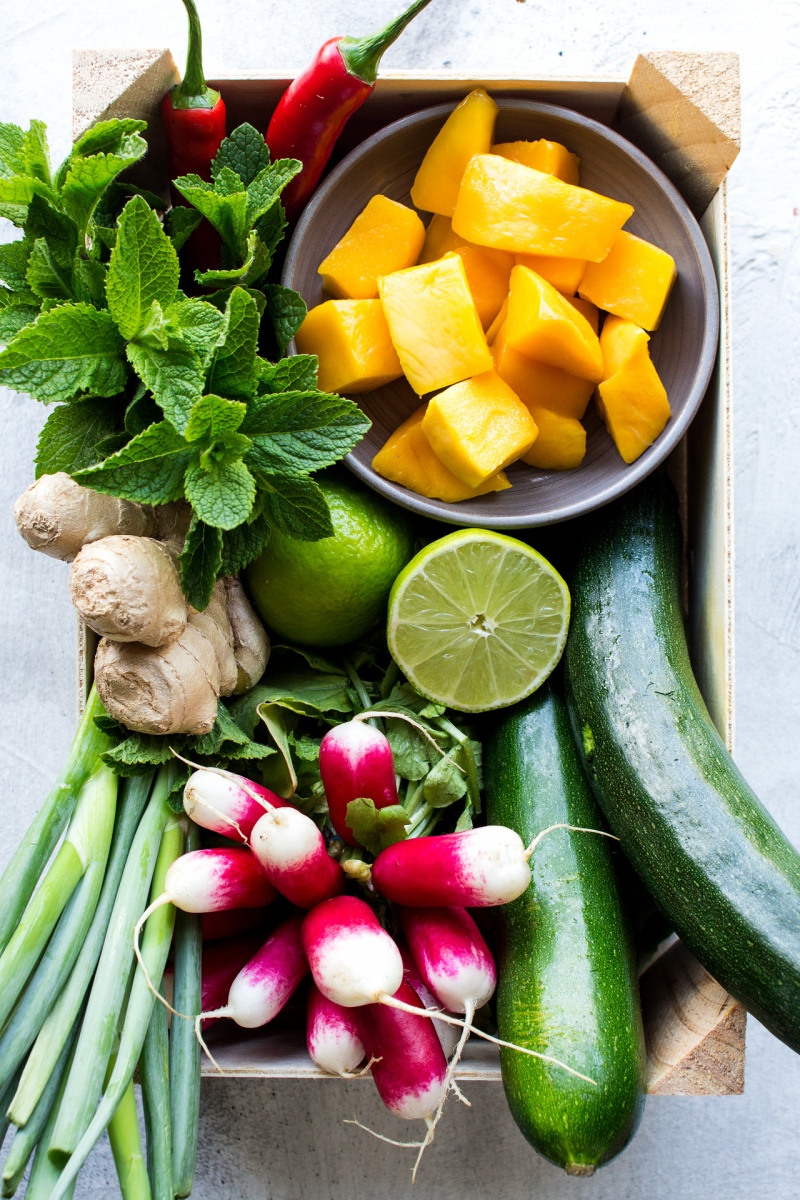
x,y
148,912
573,829
217,1012
365,1070
381,1137
449,1081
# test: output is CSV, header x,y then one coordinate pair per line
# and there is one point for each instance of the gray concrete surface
x,y
287,1141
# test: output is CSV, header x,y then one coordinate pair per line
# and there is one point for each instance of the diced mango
x,y
467,131
407,458
633,281
588,310
351,340
538,385
478,427
543,325
561,444
565,274
497,324
550,157
633,401
488,271
434,324
385,237
511,207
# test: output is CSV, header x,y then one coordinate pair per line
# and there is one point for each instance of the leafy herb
x,y
376,828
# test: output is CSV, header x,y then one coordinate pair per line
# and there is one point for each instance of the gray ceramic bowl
x,y
683,349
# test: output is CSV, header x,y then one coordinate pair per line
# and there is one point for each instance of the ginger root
x,y
58,516
128,588
250,641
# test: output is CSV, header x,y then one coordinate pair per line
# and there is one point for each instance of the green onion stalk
x,y
184,1048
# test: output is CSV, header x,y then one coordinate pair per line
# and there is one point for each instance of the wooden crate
x,y
682,110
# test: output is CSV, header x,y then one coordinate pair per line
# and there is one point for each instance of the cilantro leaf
x,y
173,374
298,432
265,189
295,374
14,263
72,435
150,469
225,209
245,152
72,349
198,323
143,268
377,828
233,368
286,311
221,495
297,507
200,562
181,223
242,545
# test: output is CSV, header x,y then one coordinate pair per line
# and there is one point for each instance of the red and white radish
x,y
222,962
264,986
410,1067
353,959
447,1034
332,1035
451,955
226,803
355,761
292,852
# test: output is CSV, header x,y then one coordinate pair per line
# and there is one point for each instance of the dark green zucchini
x,y
716,863
567,981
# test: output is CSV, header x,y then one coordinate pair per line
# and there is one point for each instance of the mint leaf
x,y
377,828
254,266
181,223
143,268
60,231
138,754
14,263
267,186
200,563
149,470
295,374
296,507
45,277
233,368
240,546
286,311
12,151
89,281
36,154
116,196
213,417
72,349
245,152
221,495
271,228
106,137
15,314
198,323
72,436
299,432
17,191
225,209
174,375
142,412
88,178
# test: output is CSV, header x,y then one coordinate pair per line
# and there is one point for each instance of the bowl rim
x,y
663,446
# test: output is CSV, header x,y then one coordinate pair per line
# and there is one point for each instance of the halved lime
x,y
478,620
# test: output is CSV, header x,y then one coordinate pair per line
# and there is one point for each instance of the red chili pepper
x,y
193,114
315,108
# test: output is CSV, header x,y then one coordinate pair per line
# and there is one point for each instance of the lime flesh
x,y
478,620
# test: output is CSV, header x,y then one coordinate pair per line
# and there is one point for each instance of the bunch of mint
x,y
161,396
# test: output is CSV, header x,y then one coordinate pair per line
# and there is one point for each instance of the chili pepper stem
x,y
362,56
193,91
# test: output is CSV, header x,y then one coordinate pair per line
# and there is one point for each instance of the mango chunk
x,y
565,274
633,281
351,340
550,157
385,237
588,310
511,207
538,385
478,427
407,458
467,131
434,324
632,398
488,271
543,325
497,324
561,444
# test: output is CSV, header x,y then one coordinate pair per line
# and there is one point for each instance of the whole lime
x,y
331,592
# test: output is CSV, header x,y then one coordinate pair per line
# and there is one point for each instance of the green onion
x,y
184,1048
107,996
56,1028
87,842
155,949
25,1140
22,873
154,1076
126,1146
44,1175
